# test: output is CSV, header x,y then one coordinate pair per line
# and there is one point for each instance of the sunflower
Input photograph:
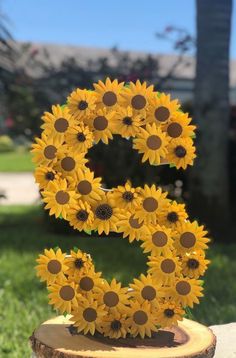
x,y
80,216
185,291
57,123
169,313
159,241
87,317
79,138
164,268
137,96
45,150
126,197
140,319
173,214
194,264
153,200
58,198
152,143
114,325
87,187
190,237
81,104
179,126
78,263
69,162
63,296
145,289
51,266
101,124
108,93
106,215
112,295
126,122
161,109
132,227
181,152
88,283
44,175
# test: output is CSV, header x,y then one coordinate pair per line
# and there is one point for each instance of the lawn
x,y
23,299
16,162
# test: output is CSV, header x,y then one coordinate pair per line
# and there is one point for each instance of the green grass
x,y
16,162
23,299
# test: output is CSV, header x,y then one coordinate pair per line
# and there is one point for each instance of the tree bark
x,y
209,182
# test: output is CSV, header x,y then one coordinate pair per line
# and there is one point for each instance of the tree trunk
x,y
209,182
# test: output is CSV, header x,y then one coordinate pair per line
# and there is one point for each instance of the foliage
x,y
23,299
6,144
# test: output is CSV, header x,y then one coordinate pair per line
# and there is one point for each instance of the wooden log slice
x,y
54,339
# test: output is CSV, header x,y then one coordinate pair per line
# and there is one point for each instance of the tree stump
x,y
55,339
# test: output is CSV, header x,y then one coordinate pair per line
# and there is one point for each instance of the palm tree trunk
x,y
209,183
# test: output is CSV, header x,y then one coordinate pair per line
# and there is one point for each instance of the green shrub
x,y
6,144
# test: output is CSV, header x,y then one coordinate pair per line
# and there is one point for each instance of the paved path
x,y
19,188
226,340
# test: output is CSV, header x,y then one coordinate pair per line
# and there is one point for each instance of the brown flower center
x,y
82,105
154,142
81,137
127,121
62,197
67,293
172,217
109,98
162,114
148,293
111,299
86,283
49,176
115,325
84,187
79,263
183,288
168,266
159,238
100,123
169,312
54,266
193,264
82,215
138,102
174,130
90,314
61,125
134,223
68,164
150,204
104,212
128,196
140,317
187,239
50,152
180,151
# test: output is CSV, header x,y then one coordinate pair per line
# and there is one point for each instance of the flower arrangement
x,y
162,133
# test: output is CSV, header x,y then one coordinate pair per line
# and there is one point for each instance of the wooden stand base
x,y
190,339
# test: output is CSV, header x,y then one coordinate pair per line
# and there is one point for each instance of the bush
x,y
6,144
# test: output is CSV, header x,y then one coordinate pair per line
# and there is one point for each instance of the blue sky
x,y
128,24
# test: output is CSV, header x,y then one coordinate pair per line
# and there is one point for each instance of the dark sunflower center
x,y
104,212
172,217
79,263
169,312
83,105
127,121
128,196
82,215
193,264
180,151
81,137
115,325
49,176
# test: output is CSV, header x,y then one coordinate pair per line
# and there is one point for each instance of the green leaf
x,y
89,232
193,136
63,106
188,313
75,248
172,165
56,248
